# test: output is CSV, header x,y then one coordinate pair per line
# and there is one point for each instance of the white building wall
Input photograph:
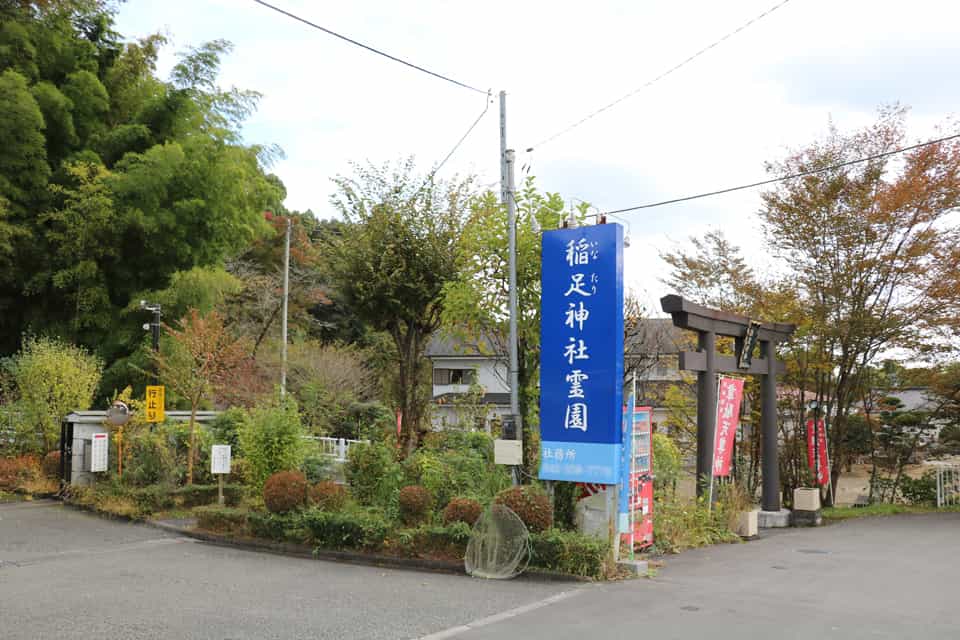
x,y
491,375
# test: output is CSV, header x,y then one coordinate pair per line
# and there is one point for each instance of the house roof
x,y
448,344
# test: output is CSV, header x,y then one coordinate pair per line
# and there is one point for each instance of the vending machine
x,y
636,496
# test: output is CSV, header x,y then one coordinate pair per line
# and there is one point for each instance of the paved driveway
x,y
65,574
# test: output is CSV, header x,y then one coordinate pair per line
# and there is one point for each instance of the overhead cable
x,y
367,47
657,78
792,176
472,127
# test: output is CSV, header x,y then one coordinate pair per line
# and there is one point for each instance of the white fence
x,y
948,485
335,448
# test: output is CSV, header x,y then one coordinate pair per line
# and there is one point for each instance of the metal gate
x,y
948,485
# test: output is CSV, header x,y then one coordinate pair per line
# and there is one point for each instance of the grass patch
x,y
6,496
837,514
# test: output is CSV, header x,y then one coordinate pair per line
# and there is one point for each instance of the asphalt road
x,y
65,574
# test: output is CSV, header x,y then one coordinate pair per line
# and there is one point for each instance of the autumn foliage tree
x,y
203,361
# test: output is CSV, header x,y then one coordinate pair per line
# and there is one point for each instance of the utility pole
x,y
286,295
508,199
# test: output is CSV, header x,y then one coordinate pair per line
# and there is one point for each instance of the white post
x,y
342,449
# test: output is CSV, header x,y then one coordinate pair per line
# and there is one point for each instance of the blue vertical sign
x,y
581,354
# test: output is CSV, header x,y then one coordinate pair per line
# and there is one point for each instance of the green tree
x,y
476,301
271,439
53,378
392,262
202,362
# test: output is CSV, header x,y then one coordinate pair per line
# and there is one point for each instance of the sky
x,y
769,89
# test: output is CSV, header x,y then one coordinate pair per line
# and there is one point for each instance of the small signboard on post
x,y
99,446
220,466
155,403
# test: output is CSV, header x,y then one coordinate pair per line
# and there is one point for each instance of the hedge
x,y
222,519
195,495
346,530
569,552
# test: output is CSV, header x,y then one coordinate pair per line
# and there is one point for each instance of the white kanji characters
x,y
576,416
571,455
576,286
722,444
558,454
576,350
575,379
727,411
731,391
578,252
577,316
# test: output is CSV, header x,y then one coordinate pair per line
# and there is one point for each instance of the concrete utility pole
x,y
286,295
508,199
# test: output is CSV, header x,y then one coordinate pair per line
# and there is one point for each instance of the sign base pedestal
x,y
774,519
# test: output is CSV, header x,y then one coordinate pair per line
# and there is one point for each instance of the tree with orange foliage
x,y
874,252
204,361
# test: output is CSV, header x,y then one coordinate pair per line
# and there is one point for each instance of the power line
x,y
659,77
464,137
801,174
367,47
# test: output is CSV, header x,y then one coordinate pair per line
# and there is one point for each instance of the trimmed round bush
x,y
51,464
285,491
530,504
415,503
328,495
462,510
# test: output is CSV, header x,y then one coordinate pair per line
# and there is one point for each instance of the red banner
x,y
823,472
729,396
824,475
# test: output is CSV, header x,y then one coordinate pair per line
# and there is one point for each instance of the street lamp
x,y
152,327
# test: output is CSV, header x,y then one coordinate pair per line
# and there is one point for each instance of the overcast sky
x,y
711,124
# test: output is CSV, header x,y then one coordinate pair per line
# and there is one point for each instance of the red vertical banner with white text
x,y
729,396
824,470
819,449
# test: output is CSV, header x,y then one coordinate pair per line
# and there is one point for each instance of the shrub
x,y
686,524
459,441
666,463
222,519
462,510
51,465
225,428
328,496
285,491
195,495
569,552
14,471
449,473
346,530
415,503
148,459
152,499
239,470
276,526
317,468
448,540
530,504
373,474
922,490
54,378
271,439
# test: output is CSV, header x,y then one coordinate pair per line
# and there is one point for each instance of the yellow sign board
x,y
155,397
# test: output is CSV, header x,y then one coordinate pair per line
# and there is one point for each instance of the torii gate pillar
x,y
709,323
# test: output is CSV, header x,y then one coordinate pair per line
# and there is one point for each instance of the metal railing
x,y
948,485
335,448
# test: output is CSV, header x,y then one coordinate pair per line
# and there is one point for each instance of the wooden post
x,y
220,489
770,498
706,409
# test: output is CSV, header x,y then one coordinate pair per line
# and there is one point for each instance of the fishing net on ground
x,y
499,547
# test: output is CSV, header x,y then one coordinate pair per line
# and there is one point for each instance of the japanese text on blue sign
x,y
581,354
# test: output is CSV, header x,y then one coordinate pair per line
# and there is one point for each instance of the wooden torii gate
x,y
710,323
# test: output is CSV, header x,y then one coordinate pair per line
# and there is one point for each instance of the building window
x,y
453,376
